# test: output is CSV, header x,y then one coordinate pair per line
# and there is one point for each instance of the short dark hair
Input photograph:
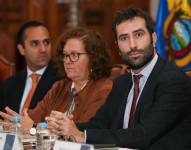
x,y
128,14
100,65
28,24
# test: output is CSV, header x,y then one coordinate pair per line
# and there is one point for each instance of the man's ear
x,y
154,38
21,49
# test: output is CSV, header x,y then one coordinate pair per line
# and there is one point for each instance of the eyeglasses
x,y
74,56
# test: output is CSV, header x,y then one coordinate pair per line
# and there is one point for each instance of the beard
x,y
147,52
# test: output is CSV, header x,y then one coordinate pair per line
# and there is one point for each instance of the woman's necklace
x,y
72,96
82,87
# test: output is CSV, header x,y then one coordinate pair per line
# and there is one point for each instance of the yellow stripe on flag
x,y
184,61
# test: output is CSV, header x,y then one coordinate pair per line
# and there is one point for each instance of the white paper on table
x,y
63,145
5,140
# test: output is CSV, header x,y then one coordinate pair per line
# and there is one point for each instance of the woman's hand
x,y
52,121
63,125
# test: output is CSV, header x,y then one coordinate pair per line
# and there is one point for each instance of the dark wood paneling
x,y
96,14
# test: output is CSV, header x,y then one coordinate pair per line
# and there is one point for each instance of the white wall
x,y
153,8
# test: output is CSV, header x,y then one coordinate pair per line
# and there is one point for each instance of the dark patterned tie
x,y
71,101
136,79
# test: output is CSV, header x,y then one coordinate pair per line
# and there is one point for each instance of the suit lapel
x,y
20,82
45,83
147,91
125,86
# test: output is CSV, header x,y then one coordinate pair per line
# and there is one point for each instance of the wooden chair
x,y
6,68
117,70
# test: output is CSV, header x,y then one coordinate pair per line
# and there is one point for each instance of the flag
x,y
173,28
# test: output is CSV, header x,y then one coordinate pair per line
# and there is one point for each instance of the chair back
x,y
7,68
117,70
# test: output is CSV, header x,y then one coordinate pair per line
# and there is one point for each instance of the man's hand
x,y
25,121
63,125
9,114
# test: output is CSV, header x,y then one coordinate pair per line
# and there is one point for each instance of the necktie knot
x,y
73,92
34,77
136,78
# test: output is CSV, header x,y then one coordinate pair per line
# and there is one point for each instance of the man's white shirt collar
x,y
148,69
39,72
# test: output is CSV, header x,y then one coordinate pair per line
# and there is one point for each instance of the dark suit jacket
x,y
12,89
162,118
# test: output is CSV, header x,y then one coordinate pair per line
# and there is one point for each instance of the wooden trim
x,y
9,65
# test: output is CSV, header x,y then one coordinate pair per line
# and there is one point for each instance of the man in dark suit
x,y
33,42
161,118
